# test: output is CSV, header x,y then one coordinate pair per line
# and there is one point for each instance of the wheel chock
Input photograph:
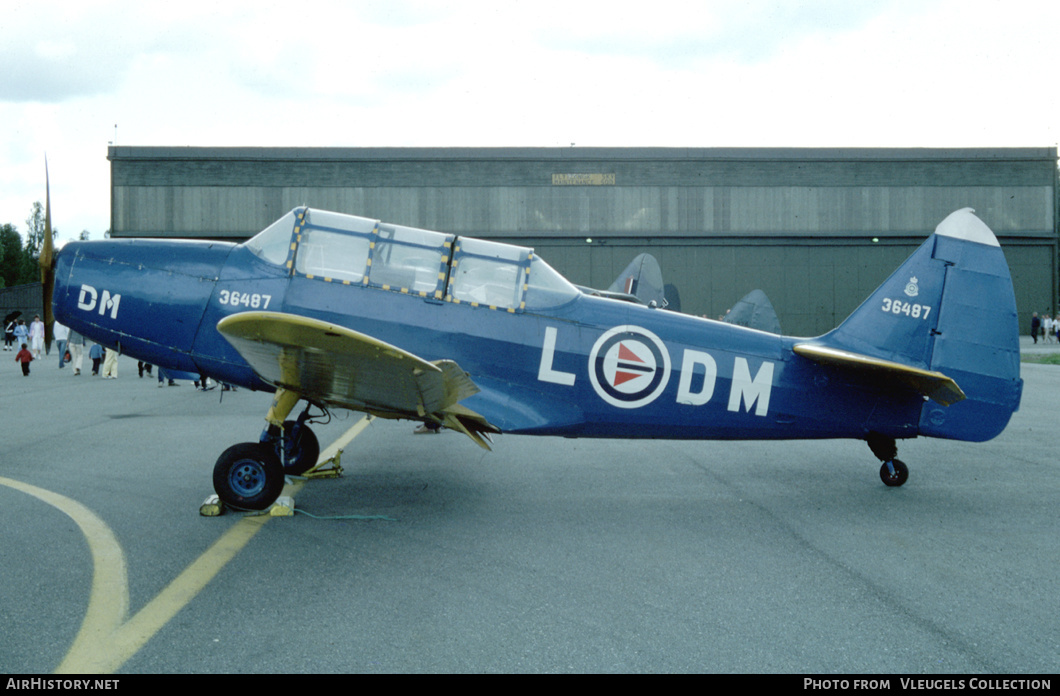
x,y
212,507
283,507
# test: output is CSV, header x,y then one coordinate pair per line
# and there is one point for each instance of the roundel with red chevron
x,y
629,366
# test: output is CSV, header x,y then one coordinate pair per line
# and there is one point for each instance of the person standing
x,y
76,342
96,354
9,334
36,336
110,364
62,334
25,357
1036,324
21,333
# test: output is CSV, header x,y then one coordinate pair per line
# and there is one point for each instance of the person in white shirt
x,y
36,337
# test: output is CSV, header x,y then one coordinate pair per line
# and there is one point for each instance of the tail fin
x,y
949,309
643,279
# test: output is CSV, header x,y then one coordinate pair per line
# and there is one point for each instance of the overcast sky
x,y
75,76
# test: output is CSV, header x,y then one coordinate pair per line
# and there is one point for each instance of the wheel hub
x,y
247,478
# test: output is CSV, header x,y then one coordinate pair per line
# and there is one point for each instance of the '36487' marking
x,y
234,298
909,309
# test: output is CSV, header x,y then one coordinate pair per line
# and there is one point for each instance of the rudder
x,y
977,342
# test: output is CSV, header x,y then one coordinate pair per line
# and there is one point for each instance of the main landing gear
x,y
250,475
893,471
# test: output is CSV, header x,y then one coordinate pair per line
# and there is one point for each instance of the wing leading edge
x,y
341,367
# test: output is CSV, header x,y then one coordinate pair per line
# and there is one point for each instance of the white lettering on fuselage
x,y
545,373
685,395
751,391
90,299
699,375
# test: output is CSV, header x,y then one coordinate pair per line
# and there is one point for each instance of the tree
x,y
35,229
29,269
18,260
10,256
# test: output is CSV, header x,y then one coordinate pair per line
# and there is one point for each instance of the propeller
x,y
47,271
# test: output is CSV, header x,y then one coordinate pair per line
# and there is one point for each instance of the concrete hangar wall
x,y
816,229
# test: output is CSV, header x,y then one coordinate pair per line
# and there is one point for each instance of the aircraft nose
x,y
146,296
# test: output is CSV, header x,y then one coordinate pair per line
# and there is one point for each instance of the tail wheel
x,y
300,449
248,476
894,472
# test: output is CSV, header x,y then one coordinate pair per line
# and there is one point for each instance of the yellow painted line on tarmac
x,y
108,601
106,640
355,430
110,653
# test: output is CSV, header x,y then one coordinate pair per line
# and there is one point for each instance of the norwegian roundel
x,y
629,366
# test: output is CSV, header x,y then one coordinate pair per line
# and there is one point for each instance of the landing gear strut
x,y
250,475
299,448
893,471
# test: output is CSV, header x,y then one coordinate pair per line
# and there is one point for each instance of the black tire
x,y
248,476
302,454
896,477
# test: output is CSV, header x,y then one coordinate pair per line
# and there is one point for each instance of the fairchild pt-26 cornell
x,y
339,311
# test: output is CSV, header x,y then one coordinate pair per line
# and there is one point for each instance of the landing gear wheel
x,y
248,476
894,472
300,453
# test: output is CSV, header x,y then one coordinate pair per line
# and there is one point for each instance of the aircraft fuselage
x,y
589,367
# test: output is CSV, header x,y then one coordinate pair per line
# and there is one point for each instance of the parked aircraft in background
x,y
339,311
643,279
640,281
755,311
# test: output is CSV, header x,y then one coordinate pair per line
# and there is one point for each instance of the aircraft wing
x,y
341,367
933,385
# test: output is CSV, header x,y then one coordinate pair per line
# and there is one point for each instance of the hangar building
x,y
816,229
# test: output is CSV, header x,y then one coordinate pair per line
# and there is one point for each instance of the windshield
x,y
273,244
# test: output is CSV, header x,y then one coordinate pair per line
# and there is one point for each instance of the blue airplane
x,y
340,311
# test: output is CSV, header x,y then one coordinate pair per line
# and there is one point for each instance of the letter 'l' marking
x,y
545,373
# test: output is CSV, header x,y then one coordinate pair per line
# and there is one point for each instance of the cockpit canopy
x,y
361,251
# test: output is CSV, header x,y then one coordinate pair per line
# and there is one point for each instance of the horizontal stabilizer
x,y
934,385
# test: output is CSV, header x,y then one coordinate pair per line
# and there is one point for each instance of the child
x,y
96,353
21,332
24,357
